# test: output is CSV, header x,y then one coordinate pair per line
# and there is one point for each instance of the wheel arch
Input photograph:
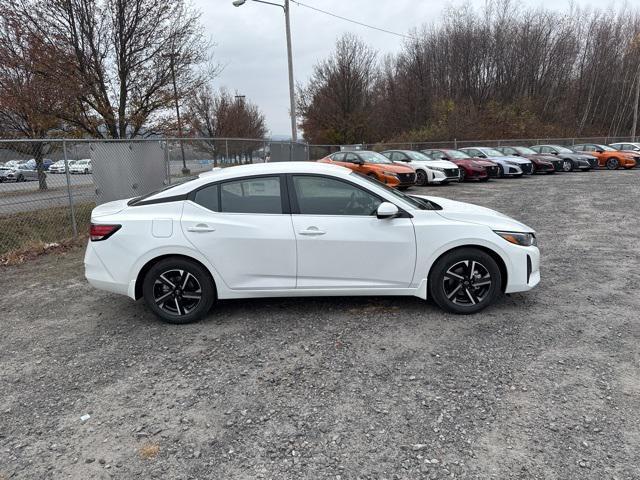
x,y
492,253
147,266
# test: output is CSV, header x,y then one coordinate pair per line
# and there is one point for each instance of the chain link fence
x,y
49,187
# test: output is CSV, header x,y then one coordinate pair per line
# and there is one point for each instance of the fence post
x,y
226,147
74,225
167,161
455,143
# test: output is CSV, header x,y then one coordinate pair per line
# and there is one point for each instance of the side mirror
x,y
357,161
443,158
600,151
482,155
387,210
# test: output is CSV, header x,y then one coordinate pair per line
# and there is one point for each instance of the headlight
x,y
390,174
438,169
517,238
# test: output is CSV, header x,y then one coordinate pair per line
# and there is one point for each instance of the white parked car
x,y
58,167
510,166
81,166
427,169
303,229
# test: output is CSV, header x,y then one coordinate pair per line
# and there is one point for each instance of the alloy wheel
x,y
467,282
421,178
612,163
567,166
177,292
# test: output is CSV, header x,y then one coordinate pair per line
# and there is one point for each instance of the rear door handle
x,y
312,231
201,228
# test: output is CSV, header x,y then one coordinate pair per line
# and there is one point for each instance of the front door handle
x,y
312,231
201,228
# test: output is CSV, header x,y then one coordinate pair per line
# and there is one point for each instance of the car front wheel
x,y
421,178
465,281
178,290
612,163
567,166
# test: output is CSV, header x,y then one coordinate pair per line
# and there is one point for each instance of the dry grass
x,y
25,231
32,250
149,451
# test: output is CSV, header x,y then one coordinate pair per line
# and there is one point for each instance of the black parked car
x,y
571,160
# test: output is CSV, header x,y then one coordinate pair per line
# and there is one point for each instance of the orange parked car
x,y
375,165
607,156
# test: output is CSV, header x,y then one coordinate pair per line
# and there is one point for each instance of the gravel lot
x,y
542,385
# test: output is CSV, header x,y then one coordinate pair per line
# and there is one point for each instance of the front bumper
x,y
544,168
524,273
446,176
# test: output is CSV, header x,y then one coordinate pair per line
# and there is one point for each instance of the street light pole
x,y
292,96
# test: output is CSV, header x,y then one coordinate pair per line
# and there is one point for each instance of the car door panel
x,y
354,252
239,226
340,241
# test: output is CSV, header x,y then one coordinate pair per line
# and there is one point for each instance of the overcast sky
x,y
250,40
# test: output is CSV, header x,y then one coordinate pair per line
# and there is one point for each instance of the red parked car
x,y
541,163
470,168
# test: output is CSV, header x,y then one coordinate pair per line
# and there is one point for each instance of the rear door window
x,y
253,195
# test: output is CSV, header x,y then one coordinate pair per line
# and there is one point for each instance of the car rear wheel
x,y
421,178
567,165
465,281
612,163
178,290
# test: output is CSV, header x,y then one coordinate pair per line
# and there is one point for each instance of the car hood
x,y
470,213
507,158
389,167
438,164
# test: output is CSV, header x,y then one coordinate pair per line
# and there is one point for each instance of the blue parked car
x,y
46,163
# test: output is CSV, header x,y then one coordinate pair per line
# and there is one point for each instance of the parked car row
x,y
404,168
18,171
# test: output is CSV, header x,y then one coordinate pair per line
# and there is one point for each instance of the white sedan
x,y
303,229
81,166
427,169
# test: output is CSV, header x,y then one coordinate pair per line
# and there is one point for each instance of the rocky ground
x,y
544,385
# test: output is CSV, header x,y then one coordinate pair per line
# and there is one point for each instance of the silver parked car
x,y
21,173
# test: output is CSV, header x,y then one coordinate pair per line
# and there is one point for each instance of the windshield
x,y
420,157
490,152
373,157
524,150
415,202
563,149
456,154
606,148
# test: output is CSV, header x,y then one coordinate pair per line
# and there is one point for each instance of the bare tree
x,y
28,99
337,104
124,55
212,115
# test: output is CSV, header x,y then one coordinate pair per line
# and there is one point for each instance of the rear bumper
x,y
97,273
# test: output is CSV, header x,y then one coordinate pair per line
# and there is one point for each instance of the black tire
x,y
422,178
567,165
612,163
500,171
452,287
463,175
20,178
187,286
86,171
403,188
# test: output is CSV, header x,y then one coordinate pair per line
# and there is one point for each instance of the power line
x,y
350,20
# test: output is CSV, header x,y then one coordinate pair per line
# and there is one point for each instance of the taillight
x,y
102,232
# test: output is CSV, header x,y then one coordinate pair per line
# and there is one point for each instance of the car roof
x,y
239,171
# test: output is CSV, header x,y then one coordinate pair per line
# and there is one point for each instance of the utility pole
x,y
292,96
